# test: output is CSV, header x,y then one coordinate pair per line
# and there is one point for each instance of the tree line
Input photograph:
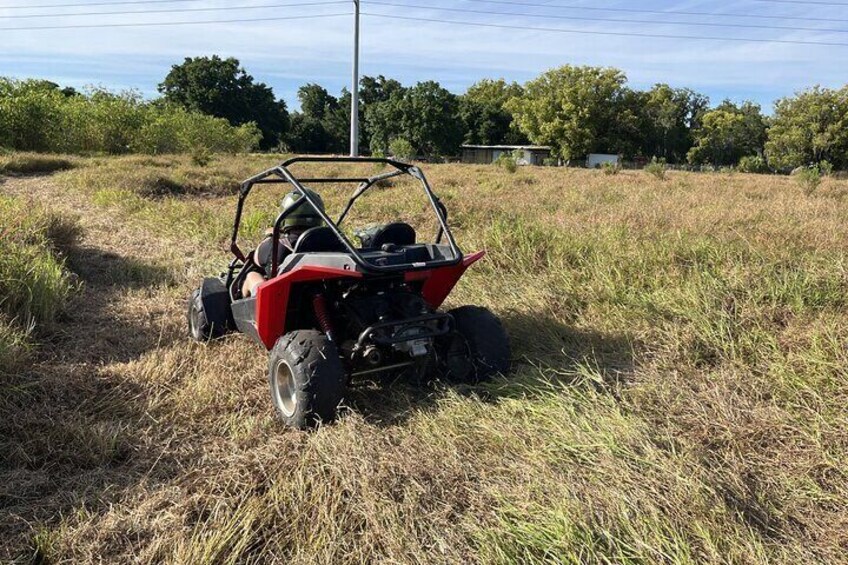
x,y
575,110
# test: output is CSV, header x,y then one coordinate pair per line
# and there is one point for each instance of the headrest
x,y
399,233
320,238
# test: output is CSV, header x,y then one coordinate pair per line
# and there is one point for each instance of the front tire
x,y
481,336
307,378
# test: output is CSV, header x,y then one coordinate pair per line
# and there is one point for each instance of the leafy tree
x,y
377,89
484,115
728,133
308,135
573,109
315,101
424,115
372,90
809,127
221,87
670,114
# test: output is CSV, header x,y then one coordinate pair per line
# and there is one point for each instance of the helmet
x,y
305,216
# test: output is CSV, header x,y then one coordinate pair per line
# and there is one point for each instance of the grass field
x,y
679,389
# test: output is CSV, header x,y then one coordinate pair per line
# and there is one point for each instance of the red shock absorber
x,y
322,314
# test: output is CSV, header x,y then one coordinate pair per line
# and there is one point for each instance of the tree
x,y
482,110
326,115
728,133
670,116
222,88
572,109
808,128
424,115
315,101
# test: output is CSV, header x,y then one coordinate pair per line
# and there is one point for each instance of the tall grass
x,y
678,394
33,280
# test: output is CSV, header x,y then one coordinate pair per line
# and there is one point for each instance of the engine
x,y
387,326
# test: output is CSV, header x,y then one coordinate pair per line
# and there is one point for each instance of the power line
x,y
615,20
175,10
611,33
150,24
659,12
805,2
120,2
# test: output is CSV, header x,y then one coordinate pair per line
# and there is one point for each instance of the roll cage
x,y
282,175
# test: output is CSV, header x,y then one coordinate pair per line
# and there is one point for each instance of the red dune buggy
x,y
330,310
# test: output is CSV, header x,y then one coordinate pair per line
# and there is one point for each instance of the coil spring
x,y
322,314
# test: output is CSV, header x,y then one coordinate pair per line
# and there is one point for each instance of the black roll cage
x,y
282,175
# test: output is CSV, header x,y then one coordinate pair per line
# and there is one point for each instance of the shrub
x,y
753,164
510,161
201,157
402,149
809,178
610,168
37,116
656,168
825,168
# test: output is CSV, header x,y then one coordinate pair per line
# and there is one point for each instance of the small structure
x,y
485,154
595,160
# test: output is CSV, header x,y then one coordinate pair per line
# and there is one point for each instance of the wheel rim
x,y
192,320
285,392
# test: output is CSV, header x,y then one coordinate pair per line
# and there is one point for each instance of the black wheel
x,y
199,326
307,378
480,347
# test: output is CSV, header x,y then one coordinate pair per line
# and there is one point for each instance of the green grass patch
x,y
33,281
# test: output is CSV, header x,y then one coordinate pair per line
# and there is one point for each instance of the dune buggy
x,y
331,310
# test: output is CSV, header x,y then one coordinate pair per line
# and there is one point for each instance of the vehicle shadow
x,y
73,428
100,323
545,351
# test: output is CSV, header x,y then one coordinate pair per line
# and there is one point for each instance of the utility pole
x,y
354,88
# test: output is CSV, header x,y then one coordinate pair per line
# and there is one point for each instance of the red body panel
x,y
439,282
272,298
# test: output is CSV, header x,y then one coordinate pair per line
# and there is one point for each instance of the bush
x,y
37,116
656,168
510,161
809,178
753,164
610,168
402,149
825,168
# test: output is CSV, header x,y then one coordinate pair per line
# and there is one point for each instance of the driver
x,y
294,225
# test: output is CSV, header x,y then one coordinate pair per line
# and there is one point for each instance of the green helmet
x,y
304,216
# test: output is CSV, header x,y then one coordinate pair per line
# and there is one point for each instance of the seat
x,y
320,238
398,233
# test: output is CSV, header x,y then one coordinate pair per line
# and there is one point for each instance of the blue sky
x,y
288,53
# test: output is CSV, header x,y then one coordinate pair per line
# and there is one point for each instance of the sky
x,y
293,42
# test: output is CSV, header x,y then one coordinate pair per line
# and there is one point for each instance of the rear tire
x,y
307,378
485,341
199,326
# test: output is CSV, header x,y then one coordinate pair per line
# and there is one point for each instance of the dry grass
x,y
679,392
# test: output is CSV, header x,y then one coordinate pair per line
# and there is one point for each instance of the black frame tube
x,y
282,175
